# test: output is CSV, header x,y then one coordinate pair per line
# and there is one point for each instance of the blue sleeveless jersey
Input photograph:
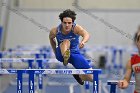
x,y
74,38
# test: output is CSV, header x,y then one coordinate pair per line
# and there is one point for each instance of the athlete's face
x,y
67,24
138,41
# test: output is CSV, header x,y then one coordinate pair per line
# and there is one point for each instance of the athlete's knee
x,y
66,42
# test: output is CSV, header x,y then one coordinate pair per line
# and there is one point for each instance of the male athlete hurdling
x,y
68,49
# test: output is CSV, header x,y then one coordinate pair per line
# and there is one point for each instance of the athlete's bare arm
x,y
125,82
52,36
82,32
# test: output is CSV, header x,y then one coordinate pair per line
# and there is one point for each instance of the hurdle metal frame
x,y
30,61
32,72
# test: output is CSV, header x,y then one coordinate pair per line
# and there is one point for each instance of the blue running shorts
x,y
76,59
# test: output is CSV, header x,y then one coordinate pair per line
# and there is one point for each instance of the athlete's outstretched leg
x,y
79,62
88,77
65,50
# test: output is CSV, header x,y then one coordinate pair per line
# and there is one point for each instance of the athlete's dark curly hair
x,y
136,36
67,13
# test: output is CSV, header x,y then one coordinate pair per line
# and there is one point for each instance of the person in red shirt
x,y
133,65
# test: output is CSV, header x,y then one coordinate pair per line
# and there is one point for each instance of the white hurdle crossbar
x,y
32,72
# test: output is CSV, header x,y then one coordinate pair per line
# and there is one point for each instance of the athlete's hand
x,y
123,84
81,45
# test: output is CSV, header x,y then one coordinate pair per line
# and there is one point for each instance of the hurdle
x,y
30,62
32,72
113,84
